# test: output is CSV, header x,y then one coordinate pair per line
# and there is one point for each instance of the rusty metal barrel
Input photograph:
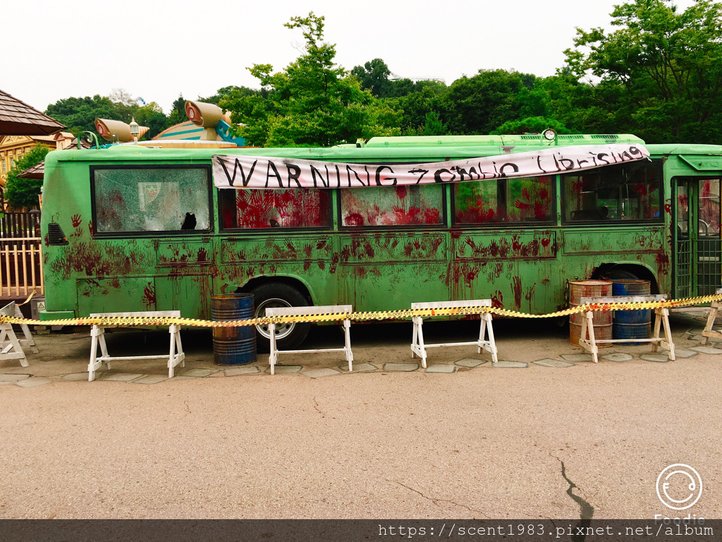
x,y
602,320
631,324
233,345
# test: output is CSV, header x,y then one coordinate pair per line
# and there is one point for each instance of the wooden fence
x,y
21,270
20,224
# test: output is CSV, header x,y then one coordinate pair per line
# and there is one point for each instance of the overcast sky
x,y
159,49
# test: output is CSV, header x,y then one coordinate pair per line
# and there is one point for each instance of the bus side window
x,y
617,193
264,209
392,206
155,198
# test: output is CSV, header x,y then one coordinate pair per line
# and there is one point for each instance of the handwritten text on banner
x,y
263,172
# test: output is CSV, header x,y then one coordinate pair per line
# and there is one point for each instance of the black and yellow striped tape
x,y
403,314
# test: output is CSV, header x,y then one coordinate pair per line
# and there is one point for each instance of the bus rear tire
x,y
278,294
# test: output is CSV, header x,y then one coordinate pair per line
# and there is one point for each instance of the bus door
x,y
698,247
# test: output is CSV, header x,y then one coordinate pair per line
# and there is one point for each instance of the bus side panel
x,y
184,275
515,269
584,250
389,270
309,258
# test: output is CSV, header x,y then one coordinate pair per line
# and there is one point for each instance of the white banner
x,y
263,172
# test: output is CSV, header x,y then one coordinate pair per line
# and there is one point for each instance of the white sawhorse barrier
x,y
175,357
709,331
10,347
308,311
661,319
418,347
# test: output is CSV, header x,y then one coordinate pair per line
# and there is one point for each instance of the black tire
x,y
278,294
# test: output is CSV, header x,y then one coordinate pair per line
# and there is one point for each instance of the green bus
x,y
132,227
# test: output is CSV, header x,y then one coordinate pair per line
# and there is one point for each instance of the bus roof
x,y
379,149
500,140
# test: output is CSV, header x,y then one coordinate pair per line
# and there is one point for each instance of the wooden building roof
x,y
18,118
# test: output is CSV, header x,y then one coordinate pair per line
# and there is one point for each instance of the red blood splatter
x,y
401,192
432,216
292,208
516,283
435,244
667,208
334,262
662,261
149,295
369,249
545,242
497,300
202,255
76,220
91,229
353,219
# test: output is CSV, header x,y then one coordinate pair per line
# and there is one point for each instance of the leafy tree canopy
x,y
79,114
667,65
312,102
23,193
530,125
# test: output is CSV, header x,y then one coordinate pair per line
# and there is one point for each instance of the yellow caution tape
x,y
403,314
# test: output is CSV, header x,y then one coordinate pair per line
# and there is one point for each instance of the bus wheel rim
x,y
282,330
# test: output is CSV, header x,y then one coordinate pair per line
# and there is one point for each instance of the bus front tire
x,y
277,294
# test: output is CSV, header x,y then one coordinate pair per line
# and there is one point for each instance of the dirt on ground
x,y
574,439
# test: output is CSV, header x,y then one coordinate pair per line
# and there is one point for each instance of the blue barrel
x,y
233,345
631,324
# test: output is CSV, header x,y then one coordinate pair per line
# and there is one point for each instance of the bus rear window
x,y
618,193
392,206
127,199
261,209
506,200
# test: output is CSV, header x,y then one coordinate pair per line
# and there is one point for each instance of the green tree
x,y
530,125
23,193
420,106
152,116
478,104
177,111
662,69
374,77
312,102
79,114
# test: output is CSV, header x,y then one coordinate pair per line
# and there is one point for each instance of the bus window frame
x,y
151,233
659,164
505,224
443,224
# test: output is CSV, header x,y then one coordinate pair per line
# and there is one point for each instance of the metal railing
x,y
21,270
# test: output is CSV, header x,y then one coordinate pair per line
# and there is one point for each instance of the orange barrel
x,y
602,320
233,345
